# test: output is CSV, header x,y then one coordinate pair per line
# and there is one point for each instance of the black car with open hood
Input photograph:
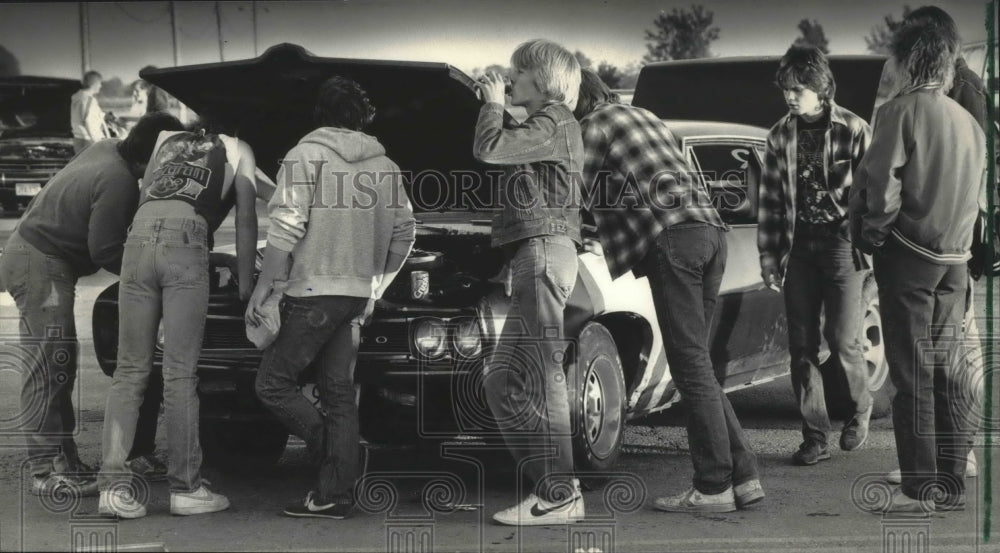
x,y
420,364
35,135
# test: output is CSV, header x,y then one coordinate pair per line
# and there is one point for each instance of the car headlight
x,y
466,339
429,337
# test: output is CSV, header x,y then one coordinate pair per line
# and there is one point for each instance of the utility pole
x,y
253,10
176,47
218,26
84,37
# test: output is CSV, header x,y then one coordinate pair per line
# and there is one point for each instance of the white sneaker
x,y
971,470
693,501
198,502
121,503
534,511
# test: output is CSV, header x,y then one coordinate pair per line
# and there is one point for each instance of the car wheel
x,y
838,398
597,400
873,340
242,445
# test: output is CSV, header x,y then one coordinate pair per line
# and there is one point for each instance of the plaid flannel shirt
x,y
846,142
637,183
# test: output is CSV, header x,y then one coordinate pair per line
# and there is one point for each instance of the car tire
x,y
597,401
242,445
873,342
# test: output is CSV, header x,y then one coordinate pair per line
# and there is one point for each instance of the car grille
x,y
225,334
386,338
45,166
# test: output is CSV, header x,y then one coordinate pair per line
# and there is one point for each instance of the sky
x,y
469,34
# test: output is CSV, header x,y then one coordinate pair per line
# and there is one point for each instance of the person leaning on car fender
x,y
913,205
74,227
674,236
341,214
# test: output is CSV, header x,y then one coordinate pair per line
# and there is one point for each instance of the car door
x,y
749,332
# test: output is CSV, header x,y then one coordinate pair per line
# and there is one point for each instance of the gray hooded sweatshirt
x,y
340,207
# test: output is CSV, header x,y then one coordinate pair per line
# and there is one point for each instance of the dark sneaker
x,y
810,453
310,509
855,431
148,467
693,501
58,483
748,493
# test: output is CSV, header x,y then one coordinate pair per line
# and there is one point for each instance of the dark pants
x,y
525,380
318,331
685,269
822,278
44,290
922,306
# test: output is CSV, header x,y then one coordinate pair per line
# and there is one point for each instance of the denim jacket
x,y
543,160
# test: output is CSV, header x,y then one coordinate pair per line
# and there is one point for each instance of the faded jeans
x,y
932,413
525,381
320,331
164,277
44,290
822,278
684,268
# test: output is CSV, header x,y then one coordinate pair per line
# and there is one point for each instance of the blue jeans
x,y
922,313
822,278
318,331
684,268
164,277
525,380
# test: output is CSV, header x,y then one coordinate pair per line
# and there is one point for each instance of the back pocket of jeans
x,y
188,265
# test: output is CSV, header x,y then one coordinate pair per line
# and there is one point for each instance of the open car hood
x,y
425,112
742,89
35,106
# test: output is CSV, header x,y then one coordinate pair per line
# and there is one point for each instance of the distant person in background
x,y
74,227
156,98
86,117
140,95
970,93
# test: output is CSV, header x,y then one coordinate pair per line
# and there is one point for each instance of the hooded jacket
x,y
340,207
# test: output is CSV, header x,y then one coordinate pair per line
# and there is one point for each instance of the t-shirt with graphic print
x,y
813,203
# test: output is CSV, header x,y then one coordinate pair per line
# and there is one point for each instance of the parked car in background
x,y
35,136
420,364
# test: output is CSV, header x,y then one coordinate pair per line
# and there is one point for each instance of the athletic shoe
x,y
310,509
748,493
693,501
148,467
119,502
810,452
855,431
198,502
535,511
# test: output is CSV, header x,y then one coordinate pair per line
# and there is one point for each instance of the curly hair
x,y
343,103
926,55
807,66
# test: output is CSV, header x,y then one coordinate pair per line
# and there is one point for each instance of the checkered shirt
x,y
636,183
846,142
